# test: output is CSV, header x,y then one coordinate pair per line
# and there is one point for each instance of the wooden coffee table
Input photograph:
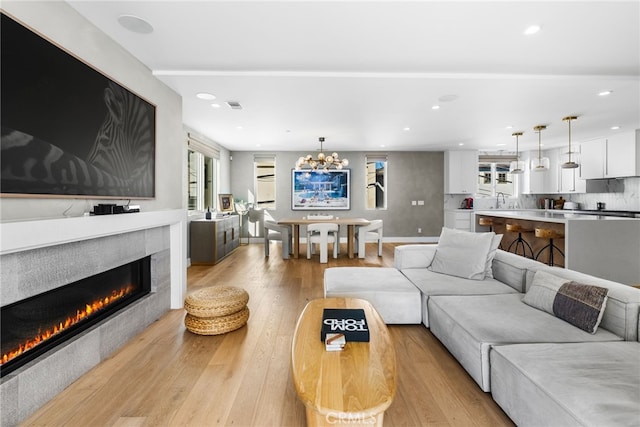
x,y
349,387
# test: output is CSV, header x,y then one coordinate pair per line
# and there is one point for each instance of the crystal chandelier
x,y
540,164
569,164
517,166
322,162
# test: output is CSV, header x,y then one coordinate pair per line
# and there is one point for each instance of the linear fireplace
x,y
34,325
37,257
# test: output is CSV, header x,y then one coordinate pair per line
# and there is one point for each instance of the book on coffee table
x,y
348,321
334,342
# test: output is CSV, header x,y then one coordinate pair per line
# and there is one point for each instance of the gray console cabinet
x,y
213,239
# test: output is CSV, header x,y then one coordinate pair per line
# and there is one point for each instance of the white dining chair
x,y
369,233
278,232
323,234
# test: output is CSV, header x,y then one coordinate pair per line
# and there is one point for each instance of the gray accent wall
x,y
410,175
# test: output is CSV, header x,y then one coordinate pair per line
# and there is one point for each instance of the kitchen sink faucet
x,y
498,199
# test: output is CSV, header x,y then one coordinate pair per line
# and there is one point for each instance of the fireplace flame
x,y
80,315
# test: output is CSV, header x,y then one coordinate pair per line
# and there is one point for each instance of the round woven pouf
x,y
216,301
216,310
216,325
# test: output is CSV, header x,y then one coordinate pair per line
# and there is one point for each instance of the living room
x,y
415,175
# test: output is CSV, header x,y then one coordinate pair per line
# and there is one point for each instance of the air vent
x,y
234,105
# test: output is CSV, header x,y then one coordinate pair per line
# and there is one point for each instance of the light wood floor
x,y
169,376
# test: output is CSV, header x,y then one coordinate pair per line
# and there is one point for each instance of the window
x,y
376,167
494,178
264,167
203,169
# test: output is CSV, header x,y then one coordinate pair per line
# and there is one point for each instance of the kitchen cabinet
x,y
592,159
622,155
460,172
211,240
571,180
556,180
531,182
617,156
459,219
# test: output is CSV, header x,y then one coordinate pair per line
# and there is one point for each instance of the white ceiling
x,y
359,72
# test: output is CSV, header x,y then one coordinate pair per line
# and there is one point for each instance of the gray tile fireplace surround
x,y
27,273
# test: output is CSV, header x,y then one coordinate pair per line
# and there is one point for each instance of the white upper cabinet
x,y
460,172
622,155
555,180
592,159
617,156
571,180
532,182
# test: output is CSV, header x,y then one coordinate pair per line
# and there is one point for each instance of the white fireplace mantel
x,y
17,236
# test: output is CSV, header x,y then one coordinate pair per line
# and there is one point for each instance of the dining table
x,y
351,224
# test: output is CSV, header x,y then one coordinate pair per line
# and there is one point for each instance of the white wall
x,y
60,23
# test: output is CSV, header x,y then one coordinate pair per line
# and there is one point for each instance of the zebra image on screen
x,y
67,129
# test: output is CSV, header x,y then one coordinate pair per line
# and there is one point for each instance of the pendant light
x,y
540,164
569,164
322,163
517,166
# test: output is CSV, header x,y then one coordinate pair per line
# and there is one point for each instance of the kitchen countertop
x,y
559,216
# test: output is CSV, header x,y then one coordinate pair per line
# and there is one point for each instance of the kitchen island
x,y
603,246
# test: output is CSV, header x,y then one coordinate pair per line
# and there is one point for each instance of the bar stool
x,y
547,233
519,242
483,220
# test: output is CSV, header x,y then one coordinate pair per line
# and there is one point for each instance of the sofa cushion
x,y
469,325
512,269
431,283
579,304
463,254
594,384
393,296
543,290
493,249
623,301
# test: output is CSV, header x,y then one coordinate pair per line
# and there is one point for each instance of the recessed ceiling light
x,y
501,145
435,107
531,30
206,96
382,145
605,93
215,105
615,127
135,24
239,127
407,129
461,144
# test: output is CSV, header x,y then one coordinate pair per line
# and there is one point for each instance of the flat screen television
x,y
67,129
321,190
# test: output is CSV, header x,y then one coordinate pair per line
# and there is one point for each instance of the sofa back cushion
x,y
511,269
623,301
413,256
463,254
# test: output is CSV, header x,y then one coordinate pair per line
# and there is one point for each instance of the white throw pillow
x,y
543,290
462,253
495,244
579,304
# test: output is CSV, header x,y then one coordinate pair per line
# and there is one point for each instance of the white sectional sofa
x,y
539,367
